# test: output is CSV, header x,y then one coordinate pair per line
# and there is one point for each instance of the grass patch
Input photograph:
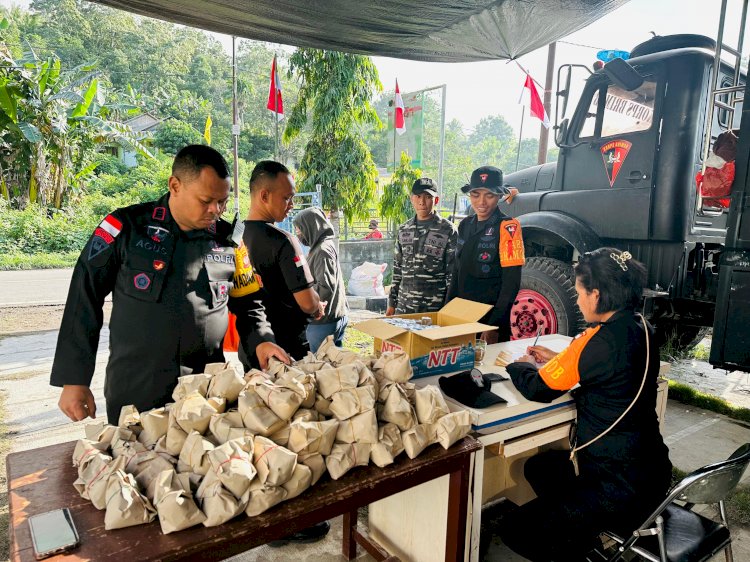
x,y
17,260
358,341
701,352
688,395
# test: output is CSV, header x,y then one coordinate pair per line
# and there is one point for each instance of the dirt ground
x,y
28,319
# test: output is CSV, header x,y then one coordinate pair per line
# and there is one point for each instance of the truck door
x,y
611,151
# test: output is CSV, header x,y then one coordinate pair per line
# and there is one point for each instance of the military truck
x,y
626,177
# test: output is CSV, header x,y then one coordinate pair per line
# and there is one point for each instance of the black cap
x,y
486,177
462,387
424,185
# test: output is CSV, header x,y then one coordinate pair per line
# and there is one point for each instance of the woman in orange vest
x,y
623,468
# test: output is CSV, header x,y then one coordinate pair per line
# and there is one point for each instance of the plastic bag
x,y
367,280
715,185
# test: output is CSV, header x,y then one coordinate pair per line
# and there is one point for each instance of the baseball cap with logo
x,y
486,177
424,185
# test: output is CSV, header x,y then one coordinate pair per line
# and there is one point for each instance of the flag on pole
x,y
275,103
530,98
207,130
399,113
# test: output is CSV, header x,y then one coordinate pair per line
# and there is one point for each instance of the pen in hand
x,y
538,333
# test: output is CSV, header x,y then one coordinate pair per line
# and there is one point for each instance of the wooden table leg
x,y
348,544
458,501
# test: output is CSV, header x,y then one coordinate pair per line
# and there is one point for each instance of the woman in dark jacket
x,y
316,231
611,370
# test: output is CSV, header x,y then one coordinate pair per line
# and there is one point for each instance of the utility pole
x,y
544,131
235,131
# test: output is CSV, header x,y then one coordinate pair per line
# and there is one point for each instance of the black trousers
x,y
564,521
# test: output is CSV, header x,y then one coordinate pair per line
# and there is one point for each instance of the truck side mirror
x,y
621,72
561,131
564,92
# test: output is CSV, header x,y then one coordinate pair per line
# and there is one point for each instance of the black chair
x,y
675,533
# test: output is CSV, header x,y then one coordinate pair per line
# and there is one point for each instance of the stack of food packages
x,y
230,443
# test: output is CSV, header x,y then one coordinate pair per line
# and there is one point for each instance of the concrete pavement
x,y
36,286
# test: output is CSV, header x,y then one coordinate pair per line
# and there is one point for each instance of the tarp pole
x,y
544,131
520,135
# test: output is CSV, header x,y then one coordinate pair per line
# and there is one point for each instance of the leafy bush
x,y
108,164
173,134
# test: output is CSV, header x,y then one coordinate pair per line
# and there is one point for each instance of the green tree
x,y
173,135
395,203
336,89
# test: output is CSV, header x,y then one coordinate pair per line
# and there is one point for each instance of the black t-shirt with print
x,y
278,260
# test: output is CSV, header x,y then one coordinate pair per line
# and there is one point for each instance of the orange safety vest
x,y
561,372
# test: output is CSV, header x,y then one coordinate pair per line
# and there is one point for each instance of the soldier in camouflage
x,y
423,262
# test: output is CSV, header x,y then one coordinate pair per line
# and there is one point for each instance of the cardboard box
x,y
436,350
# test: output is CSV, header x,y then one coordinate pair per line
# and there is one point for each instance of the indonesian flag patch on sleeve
x,y
111,225
104,236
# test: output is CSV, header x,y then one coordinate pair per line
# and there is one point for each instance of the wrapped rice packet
x,y
278,369
345,456
191,383
174,503
263,497
300,481
219,404
430,404
224,427
316,463
217,503
362,428
145,467
85,449
388,447
331,381
232,463
397,408
308,385
125,505
323,406
337,355
216,368
306,438
194,454
281,437
227,383
100,432
93,476
256,416
352,401
274,463
394,366
155,424
254,376
127,449
418,439
311,364
130,419
452,427
284,396
175,437
304,414
193,413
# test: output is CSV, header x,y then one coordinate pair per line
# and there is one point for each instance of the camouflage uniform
x,y
422,265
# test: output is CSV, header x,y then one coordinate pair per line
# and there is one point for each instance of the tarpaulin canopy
x,y
427,30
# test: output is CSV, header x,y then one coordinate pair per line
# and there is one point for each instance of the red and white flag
x,y
530,98
275,103
400,122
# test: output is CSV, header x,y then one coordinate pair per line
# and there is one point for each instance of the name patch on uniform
x,y
142,281
157,233
220,258
151,247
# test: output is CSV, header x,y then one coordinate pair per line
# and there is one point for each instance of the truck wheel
x,y
547,300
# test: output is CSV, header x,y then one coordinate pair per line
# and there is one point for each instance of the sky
x,y
501,81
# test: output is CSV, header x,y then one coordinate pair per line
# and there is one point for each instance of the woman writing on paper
x,y
610,370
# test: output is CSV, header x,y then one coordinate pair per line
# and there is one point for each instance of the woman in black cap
x,y
623,464
489,253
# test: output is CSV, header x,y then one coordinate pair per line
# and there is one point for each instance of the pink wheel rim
x,y
530,312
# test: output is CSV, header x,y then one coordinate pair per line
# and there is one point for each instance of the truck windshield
x,y
623,111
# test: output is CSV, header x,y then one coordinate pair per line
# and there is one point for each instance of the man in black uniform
x,y
287,284
169,265
277,259
489,253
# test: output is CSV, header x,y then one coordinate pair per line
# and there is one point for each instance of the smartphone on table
x,y
53,532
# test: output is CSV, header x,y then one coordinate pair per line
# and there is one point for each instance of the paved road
x,y
36,286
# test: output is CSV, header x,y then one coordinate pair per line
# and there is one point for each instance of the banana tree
x,y
50,123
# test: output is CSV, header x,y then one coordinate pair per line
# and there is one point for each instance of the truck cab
x,y
626,177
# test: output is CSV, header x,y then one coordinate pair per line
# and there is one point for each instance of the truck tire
x,y
546,300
